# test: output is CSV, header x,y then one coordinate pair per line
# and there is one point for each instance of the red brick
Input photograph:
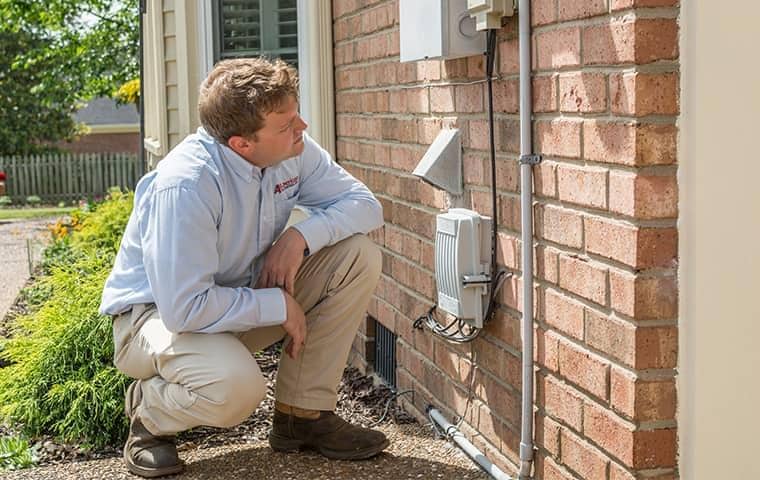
x,y
543,12
551,471
508,136
478,134
587,371
656,347
618,473
506,96
506,328
572,9
469,98
642,400
655,448
558,48
547,434
629,144
644,196
546,349
507,175
583,458
639,247
583,92
451,69
641,94
476,66
428,129
504,402
508,251
509,57
612,336
509,212
442,99
610,43
582,185
563,313
623,4
545,93
545,179
562,402
644,298
498,361
559,225
583,278
656,39
610,432
546,263
559,138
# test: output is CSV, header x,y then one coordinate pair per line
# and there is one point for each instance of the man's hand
x,y
282,262
295,326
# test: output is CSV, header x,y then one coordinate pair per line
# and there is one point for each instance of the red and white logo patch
x,y
282,186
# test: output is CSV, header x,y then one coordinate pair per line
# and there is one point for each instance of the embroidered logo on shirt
x,y
281,187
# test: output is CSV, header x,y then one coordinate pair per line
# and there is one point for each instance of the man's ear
x,y
241,145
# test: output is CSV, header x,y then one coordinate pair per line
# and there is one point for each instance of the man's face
x,y
280,138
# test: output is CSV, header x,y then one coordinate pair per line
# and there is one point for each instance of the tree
x,y
58,54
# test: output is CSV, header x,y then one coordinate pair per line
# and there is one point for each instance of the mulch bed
x,y
361,400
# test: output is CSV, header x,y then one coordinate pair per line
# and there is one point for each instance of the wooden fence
x,y
68,176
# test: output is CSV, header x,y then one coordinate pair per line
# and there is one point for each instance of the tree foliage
x,y
56,55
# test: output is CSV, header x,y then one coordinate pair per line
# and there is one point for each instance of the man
x,y
199,282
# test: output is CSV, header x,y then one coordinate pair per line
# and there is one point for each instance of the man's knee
x,y
364,253
236,395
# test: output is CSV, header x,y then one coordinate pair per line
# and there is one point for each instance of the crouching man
x,y
207,274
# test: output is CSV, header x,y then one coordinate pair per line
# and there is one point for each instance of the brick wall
x,y
606,79
104,143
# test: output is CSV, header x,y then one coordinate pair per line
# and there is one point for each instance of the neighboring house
x,y
645,240
111,128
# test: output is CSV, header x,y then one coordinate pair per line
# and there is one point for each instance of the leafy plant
x,y
15,453
5,200
33,200
61,379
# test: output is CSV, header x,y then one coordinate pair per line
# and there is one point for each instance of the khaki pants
x,y
192,379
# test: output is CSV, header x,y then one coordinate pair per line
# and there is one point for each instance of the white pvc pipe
x,y
471,450
526,207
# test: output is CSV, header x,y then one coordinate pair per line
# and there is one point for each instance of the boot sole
x,y
152,472
289,445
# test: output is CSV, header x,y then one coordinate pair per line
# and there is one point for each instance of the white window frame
x,y
315,64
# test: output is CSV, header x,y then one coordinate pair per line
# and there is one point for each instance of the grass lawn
x,y
28,213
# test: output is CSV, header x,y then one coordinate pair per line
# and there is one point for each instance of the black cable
x,y
464,331
388,406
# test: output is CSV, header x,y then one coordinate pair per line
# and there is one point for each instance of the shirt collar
x,y
242,167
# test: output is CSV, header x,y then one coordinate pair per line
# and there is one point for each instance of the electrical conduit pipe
x,y
527,160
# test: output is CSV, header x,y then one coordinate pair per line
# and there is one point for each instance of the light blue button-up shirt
x,y
202,223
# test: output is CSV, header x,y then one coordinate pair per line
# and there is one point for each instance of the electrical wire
x,y
388,406
465,332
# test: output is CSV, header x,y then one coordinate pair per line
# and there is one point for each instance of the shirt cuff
x,y
314,232
272,308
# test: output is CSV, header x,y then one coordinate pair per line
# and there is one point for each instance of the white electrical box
x,y
438,29
462,259
488,13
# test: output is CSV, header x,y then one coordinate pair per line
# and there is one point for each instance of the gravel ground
x,y
14,266
243,451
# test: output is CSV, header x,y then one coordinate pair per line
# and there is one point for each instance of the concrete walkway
x,y
14,255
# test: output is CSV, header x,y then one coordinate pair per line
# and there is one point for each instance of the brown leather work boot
x,y
328,434
146,454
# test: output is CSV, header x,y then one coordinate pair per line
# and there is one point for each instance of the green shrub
x,y
61,379
5,200
33,200
15,453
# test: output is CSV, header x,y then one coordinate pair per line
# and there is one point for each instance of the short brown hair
x,y
238,93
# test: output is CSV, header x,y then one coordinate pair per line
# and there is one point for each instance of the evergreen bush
x,y
61,379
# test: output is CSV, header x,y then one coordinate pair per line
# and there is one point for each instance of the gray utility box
x,y
438,29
